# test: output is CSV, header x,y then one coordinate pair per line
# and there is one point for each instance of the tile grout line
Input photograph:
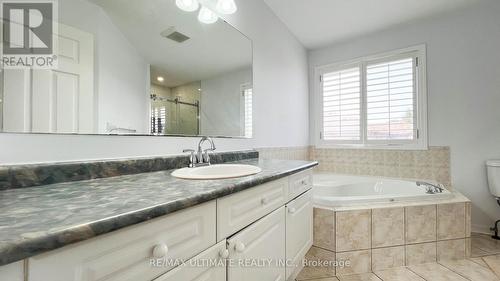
x,y
451,269
489,267
409,269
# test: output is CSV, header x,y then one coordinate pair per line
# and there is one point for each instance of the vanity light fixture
x,y
208,15
226,7
160,79
187,5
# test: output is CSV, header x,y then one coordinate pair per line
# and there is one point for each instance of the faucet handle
x,y
206,155
192,159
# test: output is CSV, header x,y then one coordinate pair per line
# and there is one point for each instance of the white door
x,y
55,101
258,251
299,232
207,266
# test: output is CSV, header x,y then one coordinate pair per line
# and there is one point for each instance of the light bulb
x,y
226,7
187,5
207,16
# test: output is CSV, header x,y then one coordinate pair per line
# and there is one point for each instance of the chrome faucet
x,y
200,157
431,188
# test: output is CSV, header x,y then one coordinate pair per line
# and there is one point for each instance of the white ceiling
x,y
317,23
212,49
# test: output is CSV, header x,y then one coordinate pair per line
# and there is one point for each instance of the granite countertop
x,y
39,219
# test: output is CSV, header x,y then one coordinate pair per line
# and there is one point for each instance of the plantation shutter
x,y
341,93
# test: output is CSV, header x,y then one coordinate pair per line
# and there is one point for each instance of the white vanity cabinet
x,y
257,251
250,235
207,266
127,254
299,232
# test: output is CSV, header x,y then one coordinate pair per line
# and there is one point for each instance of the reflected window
x,y
158,117
247,101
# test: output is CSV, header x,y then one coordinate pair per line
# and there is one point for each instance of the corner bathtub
x,y
331,190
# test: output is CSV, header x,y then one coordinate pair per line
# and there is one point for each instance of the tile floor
x,y
484,265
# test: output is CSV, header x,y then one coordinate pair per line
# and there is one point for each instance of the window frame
x,y
420,106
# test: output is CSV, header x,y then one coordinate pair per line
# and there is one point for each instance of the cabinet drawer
x,y
127,254
262,241
207,266
234,212
299,231
299,183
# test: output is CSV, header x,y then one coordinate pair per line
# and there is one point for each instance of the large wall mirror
x,y
135,67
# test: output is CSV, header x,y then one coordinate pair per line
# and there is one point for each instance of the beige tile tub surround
x,y
353,230
384,258
451,249
388,227
432,164
420,224
285,153
360,262
324,229
421,253
451,221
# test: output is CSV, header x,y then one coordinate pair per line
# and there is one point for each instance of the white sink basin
x,y
220,171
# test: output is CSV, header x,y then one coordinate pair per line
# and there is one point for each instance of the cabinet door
x,y
299,231
207,266
257,253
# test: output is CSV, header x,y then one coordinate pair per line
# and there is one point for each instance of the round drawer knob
x,y
292,210
160,251
224,253
264,201
239,247
304,182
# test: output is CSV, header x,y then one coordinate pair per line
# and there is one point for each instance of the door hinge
x,y
418,133
321,78
416,61
320,135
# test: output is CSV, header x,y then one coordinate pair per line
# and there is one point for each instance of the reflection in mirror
x,y
135,67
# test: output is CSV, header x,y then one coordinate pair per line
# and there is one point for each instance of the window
x,y
247,105
158,120
379,101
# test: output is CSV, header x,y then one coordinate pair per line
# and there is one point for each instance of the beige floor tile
x,y
450,221
476,252
311,272
479,261
320,279
388,227
493,263
451,249
485,244
421,253
360,277
353,230
470,270
398,274
436,272
420,222
324,229
359,262
383,258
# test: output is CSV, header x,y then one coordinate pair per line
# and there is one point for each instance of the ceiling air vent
x,y
174,35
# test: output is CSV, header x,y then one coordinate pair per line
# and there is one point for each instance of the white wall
x,y
463,80
280,103
120,72
223,91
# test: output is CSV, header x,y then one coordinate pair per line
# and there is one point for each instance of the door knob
x,y
239,247
160,250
